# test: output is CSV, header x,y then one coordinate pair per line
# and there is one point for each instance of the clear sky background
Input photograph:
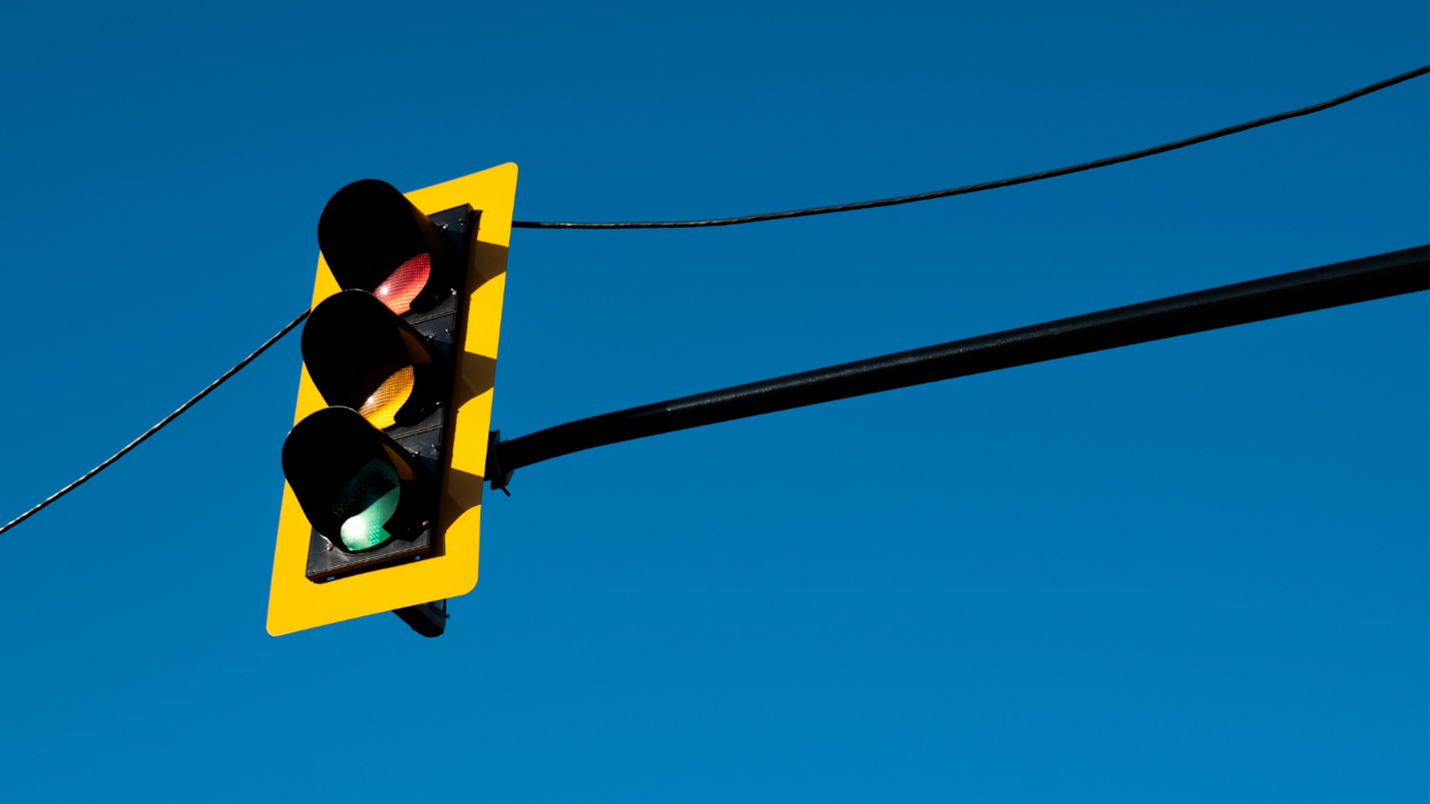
x,y
1193,570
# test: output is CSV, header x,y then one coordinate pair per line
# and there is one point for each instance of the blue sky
x,y
1184,571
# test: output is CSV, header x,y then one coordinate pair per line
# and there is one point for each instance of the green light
x,y
366,504
365,529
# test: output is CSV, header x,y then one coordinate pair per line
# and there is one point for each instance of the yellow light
x,y
382,406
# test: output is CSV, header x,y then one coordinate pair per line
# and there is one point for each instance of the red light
x,y
405,283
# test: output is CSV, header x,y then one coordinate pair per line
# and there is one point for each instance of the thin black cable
x,y
156,428
990,185
768,216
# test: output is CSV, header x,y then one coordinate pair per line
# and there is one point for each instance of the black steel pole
x,y
1344,283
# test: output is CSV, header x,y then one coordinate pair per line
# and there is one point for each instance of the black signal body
x,y
350,343
329,449
368,229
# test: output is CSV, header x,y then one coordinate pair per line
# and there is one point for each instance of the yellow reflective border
x,y
295,603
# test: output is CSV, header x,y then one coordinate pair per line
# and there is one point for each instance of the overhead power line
x,y
526,452
156,428
988,185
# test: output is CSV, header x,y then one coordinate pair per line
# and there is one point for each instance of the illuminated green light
x,y
365,529
367,503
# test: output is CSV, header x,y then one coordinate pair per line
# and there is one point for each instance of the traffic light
x,y
385,462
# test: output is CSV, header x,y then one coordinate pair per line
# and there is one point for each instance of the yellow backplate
x,y
295,603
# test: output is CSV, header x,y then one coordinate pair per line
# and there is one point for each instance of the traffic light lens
x,y
398,291
365,531
381,408
366,504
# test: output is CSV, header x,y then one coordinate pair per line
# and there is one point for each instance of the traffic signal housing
x,y
385,462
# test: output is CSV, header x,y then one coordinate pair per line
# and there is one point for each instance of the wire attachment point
x,y
499,479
